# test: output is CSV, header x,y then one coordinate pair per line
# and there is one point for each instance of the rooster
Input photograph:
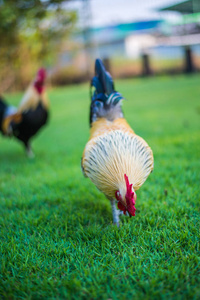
x,y
23,123
115,159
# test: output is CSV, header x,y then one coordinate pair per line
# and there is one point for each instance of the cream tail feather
x,y
111,155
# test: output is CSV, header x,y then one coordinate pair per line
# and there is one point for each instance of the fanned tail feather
x,y
114,98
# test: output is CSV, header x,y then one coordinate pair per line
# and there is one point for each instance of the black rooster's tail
x,y
105,101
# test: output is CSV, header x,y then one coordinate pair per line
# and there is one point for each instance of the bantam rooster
x,y
115,159
23,123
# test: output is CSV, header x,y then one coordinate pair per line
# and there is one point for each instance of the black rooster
x,y
23,123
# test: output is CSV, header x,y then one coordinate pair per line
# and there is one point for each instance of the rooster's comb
x,y
129,197
41,74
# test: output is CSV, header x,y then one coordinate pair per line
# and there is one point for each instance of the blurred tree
x,y
31,33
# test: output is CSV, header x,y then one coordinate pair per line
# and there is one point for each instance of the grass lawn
x,y
57,240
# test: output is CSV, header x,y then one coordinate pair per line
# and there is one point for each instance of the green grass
x,y
57,240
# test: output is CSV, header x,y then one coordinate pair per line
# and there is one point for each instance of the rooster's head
x,y
126,203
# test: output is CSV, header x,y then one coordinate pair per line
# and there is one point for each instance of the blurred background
x,y
134,38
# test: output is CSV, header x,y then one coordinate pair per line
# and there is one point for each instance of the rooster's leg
x,y
115,212
29,151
